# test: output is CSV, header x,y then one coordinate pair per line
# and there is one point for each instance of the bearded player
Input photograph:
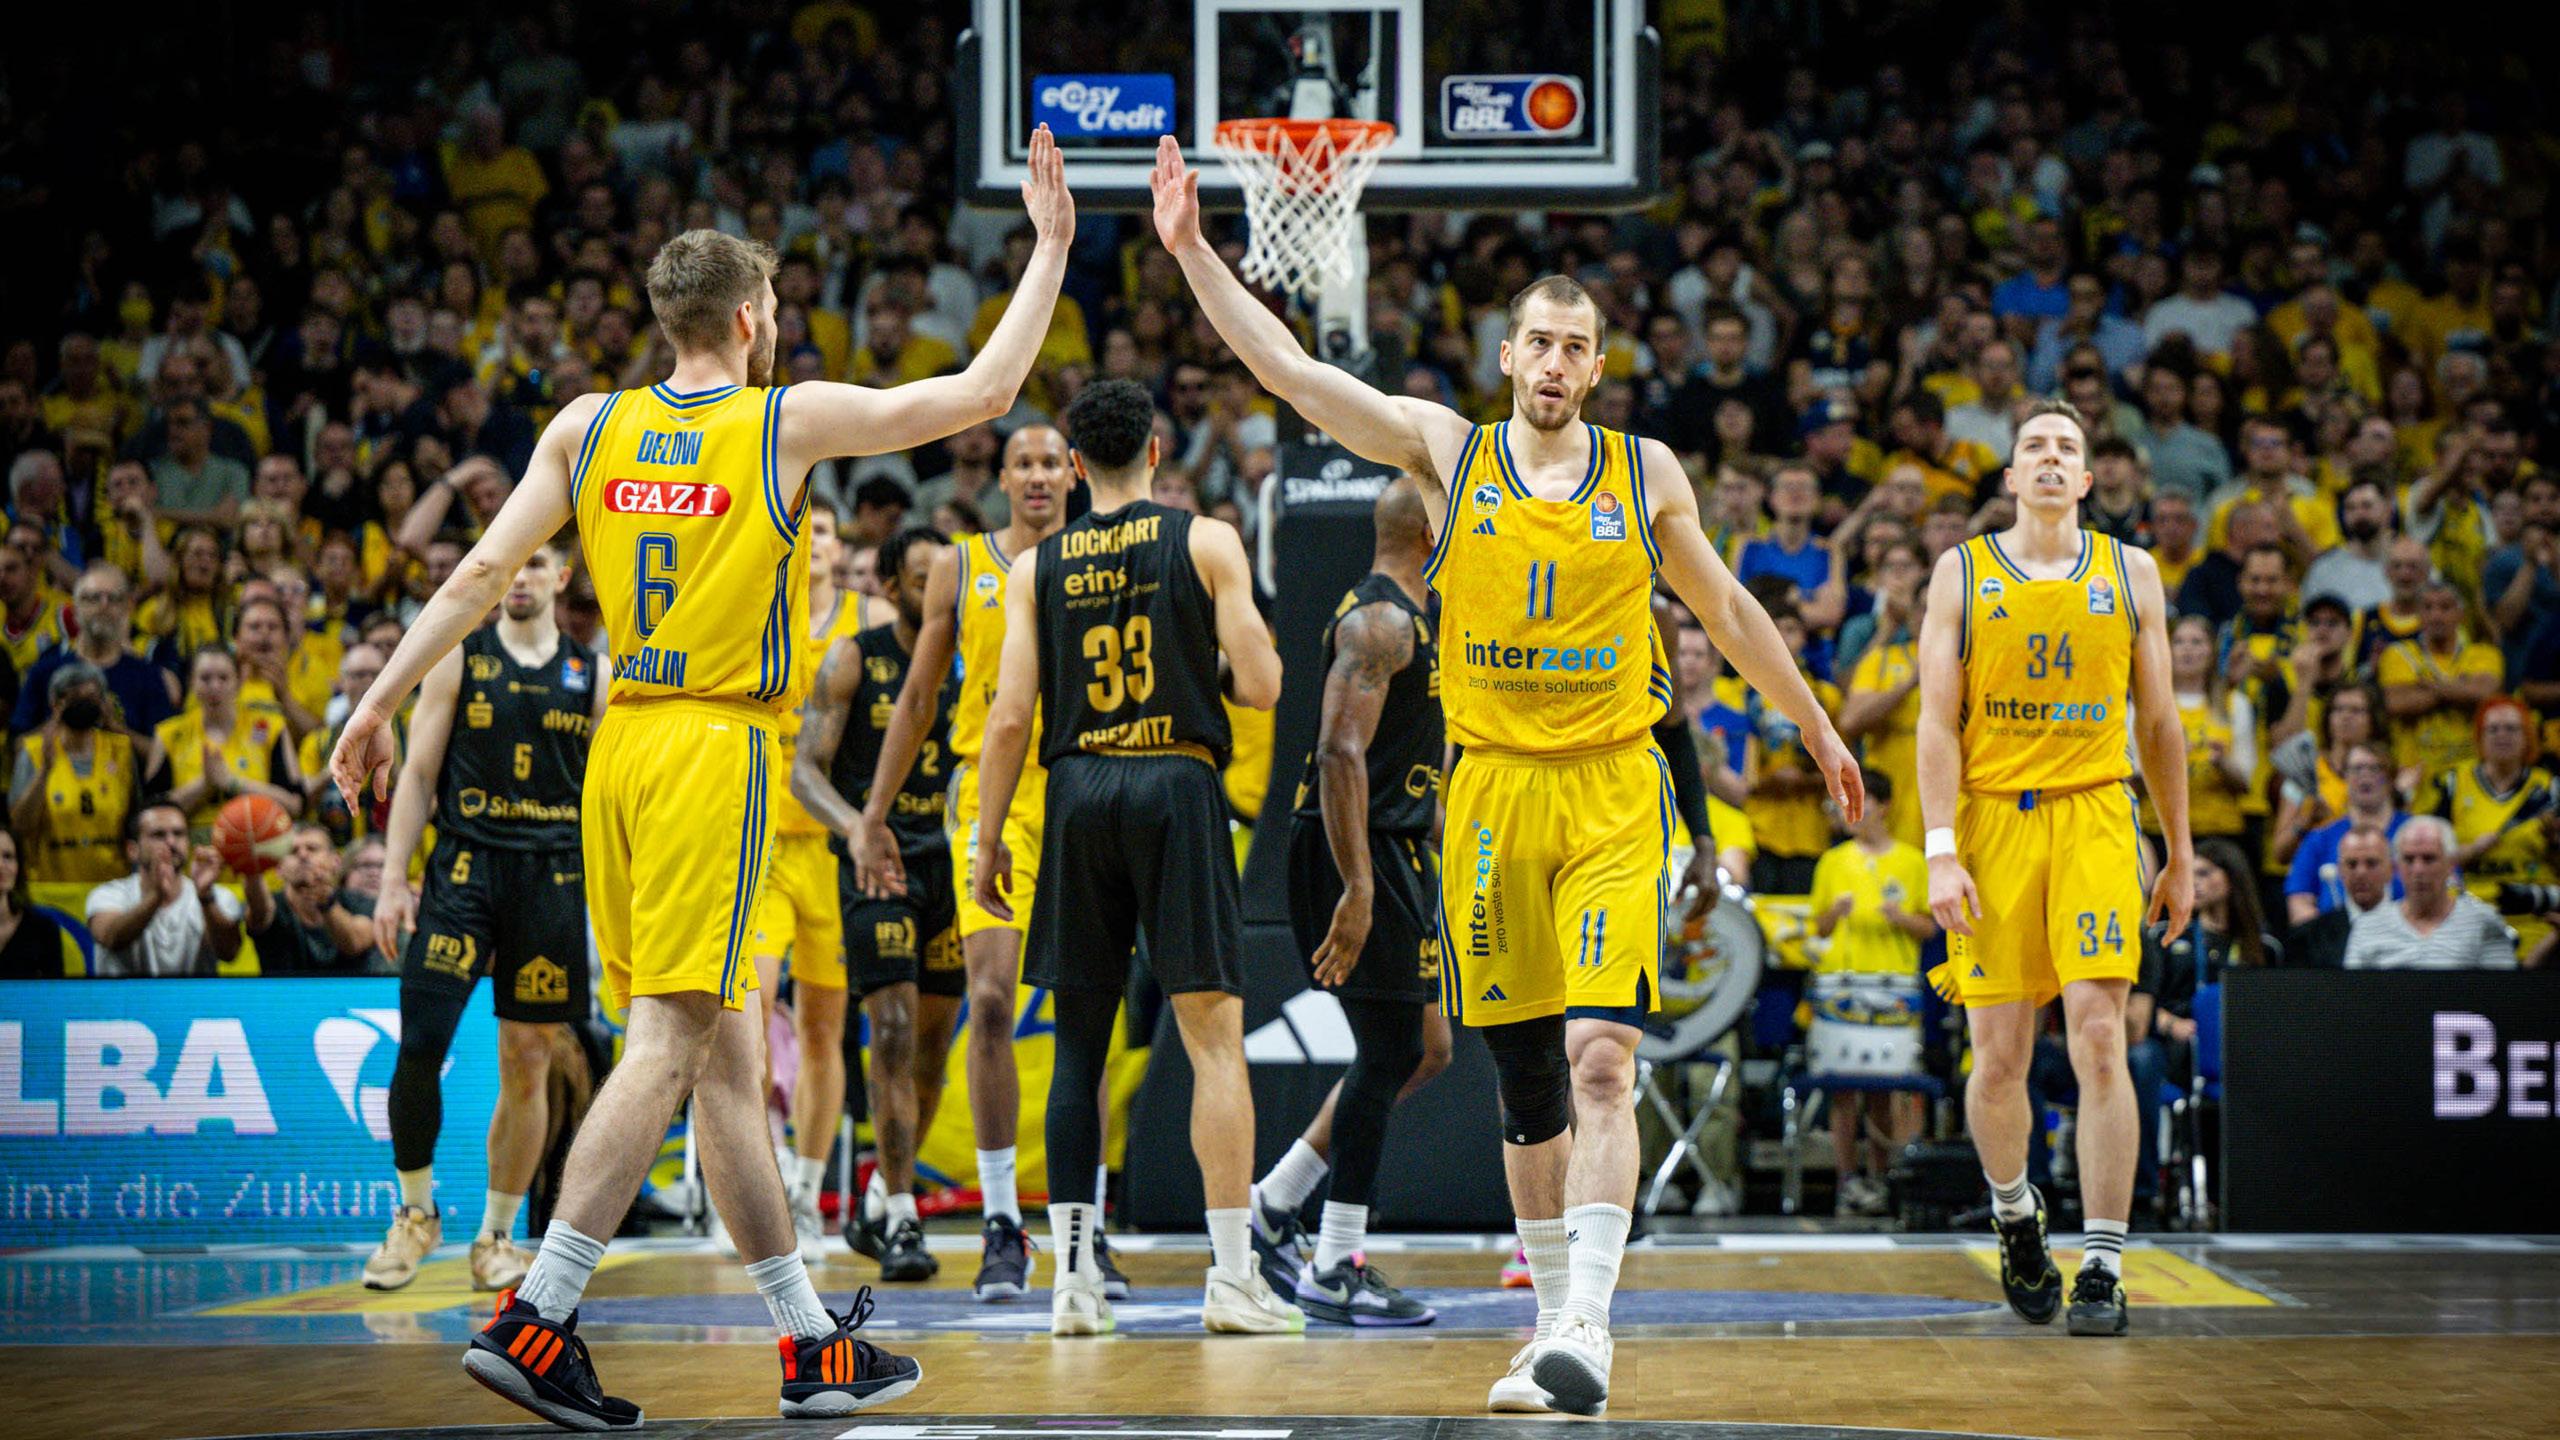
x,y
1555,886
2035,641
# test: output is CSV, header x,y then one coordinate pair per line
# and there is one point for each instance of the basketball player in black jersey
x,y
498,744
1115,634
1364,891
902,952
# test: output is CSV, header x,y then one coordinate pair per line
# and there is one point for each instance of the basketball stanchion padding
x,y
1302,181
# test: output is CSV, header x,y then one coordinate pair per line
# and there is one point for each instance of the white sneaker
x,y
1234,1305
1573,1366
1515,1393
1080,1310
812,1230
720,1236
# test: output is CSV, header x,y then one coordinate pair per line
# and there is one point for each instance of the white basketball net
x,y
1301,196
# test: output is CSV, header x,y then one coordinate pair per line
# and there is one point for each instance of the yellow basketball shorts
x,y
679,803
1554,880
1021,838
2060,878
799,911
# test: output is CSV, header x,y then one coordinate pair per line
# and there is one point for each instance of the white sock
x,y
561,1270
2102,1245
1346,1229
498,1213
1597,1235
1550,1268
805,1177
901,1210
995,1184
2012,1201
1101,1185
1231,1241
783,1281
418,1188
1071,1231
1293,1179
875,1196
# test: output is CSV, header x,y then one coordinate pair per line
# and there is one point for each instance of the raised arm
x,y
877,868
1738,626
1390,429
1008,735
828,419
2162,742
1370,645
534,513
1253,665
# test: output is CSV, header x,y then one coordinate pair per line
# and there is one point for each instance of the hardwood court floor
x,y
2339,1341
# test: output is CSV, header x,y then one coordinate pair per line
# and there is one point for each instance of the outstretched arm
x,y
534,513
828,419
1739,627
1390,429
2163,744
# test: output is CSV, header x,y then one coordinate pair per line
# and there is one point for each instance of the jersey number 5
x,y
1124,665
655,566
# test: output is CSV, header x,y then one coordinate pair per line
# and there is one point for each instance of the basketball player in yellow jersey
x,y
964,609
799,914
690,500
1554,887
2035,642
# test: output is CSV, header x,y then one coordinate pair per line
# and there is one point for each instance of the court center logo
x,y
343,1044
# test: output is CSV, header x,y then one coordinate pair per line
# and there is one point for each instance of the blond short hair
x,y
700,278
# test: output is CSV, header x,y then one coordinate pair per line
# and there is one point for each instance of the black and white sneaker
x,y
2097,1303
1279,1247
2027,1274
904,1258
1004,1271
544,1367
1115,1286
868,1238
1356,1293
836,1374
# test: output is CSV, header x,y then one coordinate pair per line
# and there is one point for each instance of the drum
x,y
1864,1025
1710,967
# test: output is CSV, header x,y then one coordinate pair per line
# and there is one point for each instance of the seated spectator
x,y
74,781
2521,581
2315,793
1948,465
1871,902
2226,932
2221,723
2186,459
33,946
2353,569
314,930
2405,571
2364,872
1791,551
2433,685
1786,791
2312,883
30,621
2202,310
223,745
140,694
197,486
167,918
2212,586
2504,821
2119,499
364,873
2176,540
2438,926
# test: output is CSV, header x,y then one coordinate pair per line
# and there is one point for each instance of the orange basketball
x,y
1553,105
251,834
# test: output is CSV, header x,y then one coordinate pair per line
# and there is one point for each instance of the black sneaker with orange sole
x,y
837,1374
543,1366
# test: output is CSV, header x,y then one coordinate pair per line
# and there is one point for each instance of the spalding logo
x,y
690,498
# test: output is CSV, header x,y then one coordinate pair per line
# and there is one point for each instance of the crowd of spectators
x,y
261,381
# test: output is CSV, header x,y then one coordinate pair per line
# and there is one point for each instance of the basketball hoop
x,y
1302,181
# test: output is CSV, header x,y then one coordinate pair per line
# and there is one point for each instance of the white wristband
x,y
1941,841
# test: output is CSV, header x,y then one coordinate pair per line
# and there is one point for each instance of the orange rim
x,y
1348,136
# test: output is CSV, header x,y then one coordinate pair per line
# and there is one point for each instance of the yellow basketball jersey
x,y
699,565
1547,636
790,817
2213,802
2048,670
84,833
984,569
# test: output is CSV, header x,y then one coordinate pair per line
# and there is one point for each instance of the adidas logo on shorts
x,y
1493,992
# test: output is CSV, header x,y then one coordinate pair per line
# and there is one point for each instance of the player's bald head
x,y
1403,524
1035,443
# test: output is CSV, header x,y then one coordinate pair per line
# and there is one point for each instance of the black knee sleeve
x,y
1535,1080
1389,1035
429,1014
1075,1119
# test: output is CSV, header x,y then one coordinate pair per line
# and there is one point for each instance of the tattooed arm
x,y
821,731
1370,645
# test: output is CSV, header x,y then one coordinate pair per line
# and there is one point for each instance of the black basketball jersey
x,y
1128,638
916,815
518,755
1404,756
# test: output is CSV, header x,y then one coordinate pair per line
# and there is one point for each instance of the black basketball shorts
x,y
517,916
1402,958
913,937
1131,842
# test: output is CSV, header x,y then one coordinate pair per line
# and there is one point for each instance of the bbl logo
x,y
1488,497
2102,598
573,675
1608,517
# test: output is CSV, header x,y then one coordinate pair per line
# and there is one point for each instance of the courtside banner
x,y
174,1112
2401,1100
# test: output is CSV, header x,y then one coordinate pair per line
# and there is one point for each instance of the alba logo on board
x,y
689,498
